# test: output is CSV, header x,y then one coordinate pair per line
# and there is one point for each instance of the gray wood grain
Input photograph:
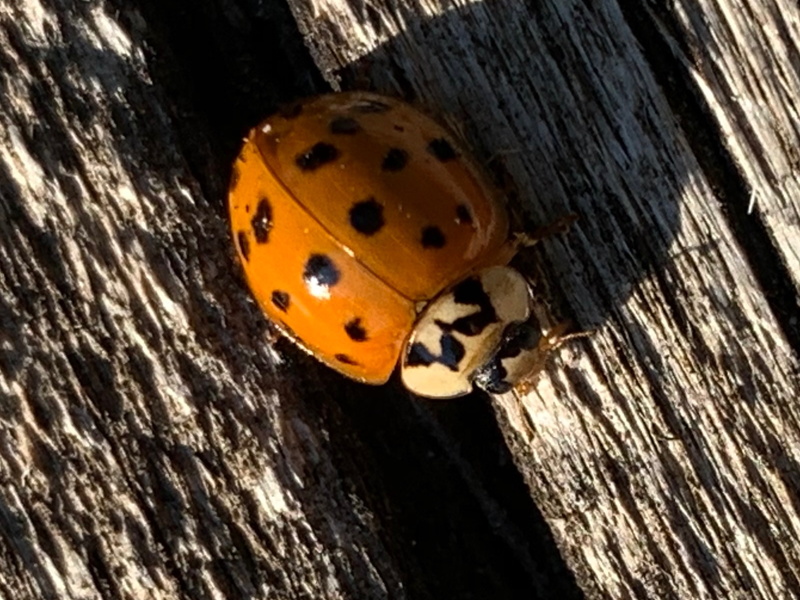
x,y
743,60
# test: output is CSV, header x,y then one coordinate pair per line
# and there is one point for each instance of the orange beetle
x,y
351,214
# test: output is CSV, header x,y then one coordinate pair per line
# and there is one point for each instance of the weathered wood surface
x,y
154,446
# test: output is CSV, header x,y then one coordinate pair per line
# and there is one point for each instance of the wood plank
x,y
664,450
154,446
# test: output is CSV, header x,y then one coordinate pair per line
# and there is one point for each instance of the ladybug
x,y
369,237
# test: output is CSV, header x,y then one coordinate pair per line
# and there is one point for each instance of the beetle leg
x,y
553,339
557,227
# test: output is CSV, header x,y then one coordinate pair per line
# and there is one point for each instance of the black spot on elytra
x,y
344,126
395,160
262,221
320,271
355,331
318,155
366,216
281,300
291,110
244,245
451,356
432,237
343,358
463,216
247,208
370,106
442,150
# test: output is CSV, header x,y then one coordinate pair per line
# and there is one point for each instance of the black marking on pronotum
x,y
370,106
281,300
320,271
463,216
395,160
344,126
366,216
442,149
262,221
432,237
355,331
343,358
244,245
451,356
471,292
318,155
